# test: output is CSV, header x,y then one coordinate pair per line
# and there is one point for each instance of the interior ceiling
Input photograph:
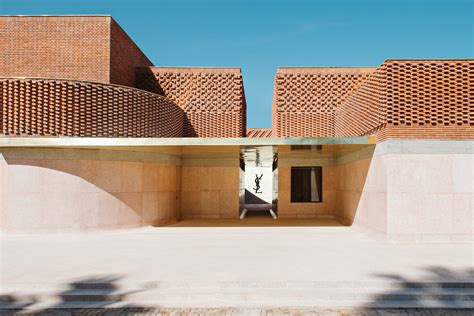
x,y
258,155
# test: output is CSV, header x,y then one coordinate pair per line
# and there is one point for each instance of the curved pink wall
x,y
56,193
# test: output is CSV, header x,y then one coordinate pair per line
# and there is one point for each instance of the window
x,y
306,184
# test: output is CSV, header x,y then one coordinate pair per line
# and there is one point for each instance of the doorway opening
x,y
259,182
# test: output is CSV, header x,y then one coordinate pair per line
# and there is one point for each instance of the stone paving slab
x,y
243,260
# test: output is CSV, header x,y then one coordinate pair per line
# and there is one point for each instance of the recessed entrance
x,y
259,182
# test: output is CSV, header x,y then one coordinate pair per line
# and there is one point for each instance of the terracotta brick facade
x,y
63,47
78,108
125,57
412,99
212,98
305,99
90,48
361,113
399,99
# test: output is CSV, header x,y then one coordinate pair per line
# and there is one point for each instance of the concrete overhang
x,y
88,142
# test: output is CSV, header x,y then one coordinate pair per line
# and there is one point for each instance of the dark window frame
x,y
293,178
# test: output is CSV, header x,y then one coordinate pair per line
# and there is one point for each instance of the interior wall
x,y
210,190
74,189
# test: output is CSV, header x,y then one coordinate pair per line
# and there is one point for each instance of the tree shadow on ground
x,y
446,290
86,296
438,291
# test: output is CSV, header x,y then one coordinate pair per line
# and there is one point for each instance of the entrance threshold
x,y
257,221
258,208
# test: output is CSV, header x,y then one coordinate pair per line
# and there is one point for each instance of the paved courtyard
x,y
194,264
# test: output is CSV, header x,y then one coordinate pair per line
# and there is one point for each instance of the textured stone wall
x,y
75,108
409,190
74,189
210,191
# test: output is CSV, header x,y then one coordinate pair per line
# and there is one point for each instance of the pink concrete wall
x,y
2,191
430,197
64,194
361,199
409,197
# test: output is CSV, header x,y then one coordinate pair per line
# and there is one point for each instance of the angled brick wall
x,y
363,111
212,98
412,99
76,108
125,57
305,99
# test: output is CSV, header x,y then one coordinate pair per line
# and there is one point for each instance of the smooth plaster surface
x,y
401,190
48,195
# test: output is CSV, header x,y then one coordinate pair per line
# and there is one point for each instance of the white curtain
x,y
314,186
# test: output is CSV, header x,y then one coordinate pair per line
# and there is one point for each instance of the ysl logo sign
x,y
257,183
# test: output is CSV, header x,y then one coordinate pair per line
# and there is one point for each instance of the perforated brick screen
x,y
305,99
213,99
363,110
412,99
75,108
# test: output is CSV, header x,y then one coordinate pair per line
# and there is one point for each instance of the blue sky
x,y
258,36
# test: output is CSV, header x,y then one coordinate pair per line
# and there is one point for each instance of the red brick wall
x,y
305,99
77,108
362,112
412,99
212,98
125,57
70,47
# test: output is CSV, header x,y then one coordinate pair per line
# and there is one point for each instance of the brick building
x,y
95,136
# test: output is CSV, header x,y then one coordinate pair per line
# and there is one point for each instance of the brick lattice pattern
x,y
76,108
305,99
212,98
362,112
412,99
